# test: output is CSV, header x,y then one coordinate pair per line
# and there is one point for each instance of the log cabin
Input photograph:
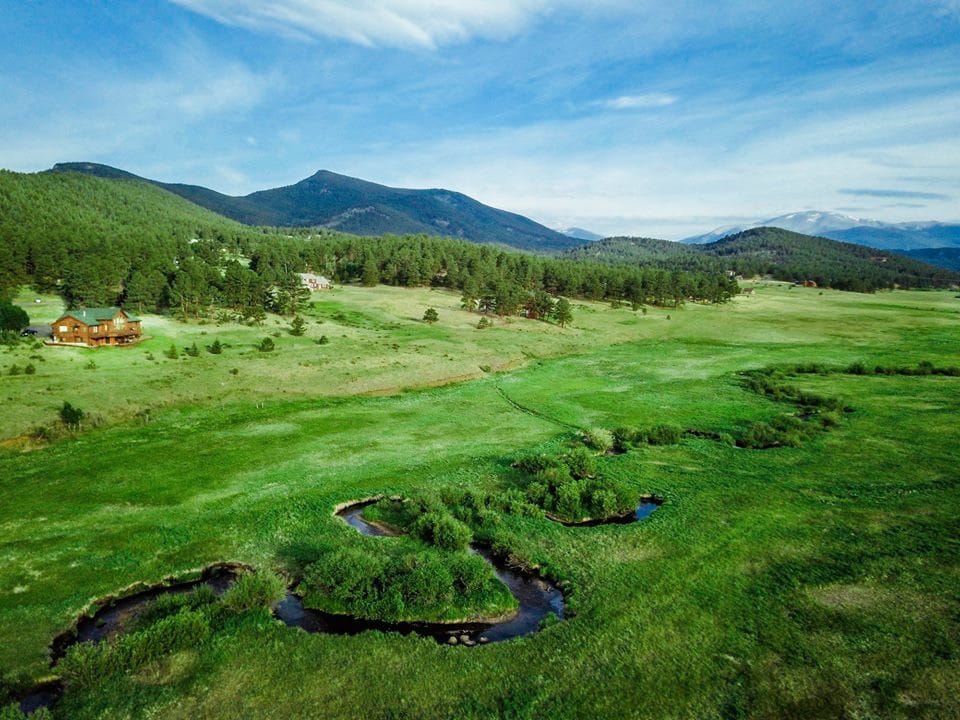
x,y
96,327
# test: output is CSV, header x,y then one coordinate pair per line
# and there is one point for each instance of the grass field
x,y
812,582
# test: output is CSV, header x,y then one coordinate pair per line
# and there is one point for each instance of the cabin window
x,y
118,321
63,328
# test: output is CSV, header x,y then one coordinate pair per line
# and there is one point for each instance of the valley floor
x,y
819,581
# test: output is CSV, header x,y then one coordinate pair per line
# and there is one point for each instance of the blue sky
x,y
648,118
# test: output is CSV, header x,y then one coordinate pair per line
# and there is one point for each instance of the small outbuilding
x,y
96,327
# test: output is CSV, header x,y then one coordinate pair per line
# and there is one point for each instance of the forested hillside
x,y
99,241
945,257
355,206
781,254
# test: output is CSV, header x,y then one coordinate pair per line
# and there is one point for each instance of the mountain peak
x,y
862,231
351,205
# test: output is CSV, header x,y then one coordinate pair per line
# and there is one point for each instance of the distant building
x,y
314,282
95,327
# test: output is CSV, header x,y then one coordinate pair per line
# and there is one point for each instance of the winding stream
x,y
537,599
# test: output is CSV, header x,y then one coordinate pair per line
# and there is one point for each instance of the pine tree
x,y
562,312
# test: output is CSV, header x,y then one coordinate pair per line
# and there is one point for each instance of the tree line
x,y
101,242
781,254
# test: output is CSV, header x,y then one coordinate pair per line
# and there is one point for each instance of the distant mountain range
x,y
355,206
579,233
781,254
872,233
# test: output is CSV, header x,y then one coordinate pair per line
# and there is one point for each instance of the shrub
x,y
539,464
215,348
811,369
622,438
192,351
484,323
71,416
599,439
663,435
9,338
430,316
254,590
172,352
569,499
442,530
393,587
538,493
86,664
324,340
173,602
298,327
580,462
266,345
603,502
15,370
829,419
759,435
13,318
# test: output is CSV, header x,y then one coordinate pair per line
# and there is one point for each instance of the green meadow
x,y
819,581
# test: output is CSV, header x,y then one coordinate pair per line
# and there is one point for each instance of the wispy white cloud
x,y
720,156
101,114
646,100
885,193
399,23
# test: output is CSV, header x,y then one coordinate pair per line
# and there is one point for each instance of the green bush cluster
x,y
392,584
772,384
429,517
624,437
816,412
600,439
85,664
783,431
924,367
254,590
439,528
567,486
172,603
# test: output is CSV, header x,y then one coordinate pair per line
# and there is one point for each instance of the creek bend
x,y
537,599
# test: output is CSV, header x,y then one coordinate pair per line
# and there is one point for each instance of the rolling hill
x,y
872,233
779,253
355,206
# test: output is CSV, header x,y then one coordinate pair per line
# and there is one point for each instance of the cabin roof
x,y
95,316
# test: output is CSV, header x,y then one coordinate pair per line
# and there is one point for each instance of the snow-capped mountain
x,y
862,231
